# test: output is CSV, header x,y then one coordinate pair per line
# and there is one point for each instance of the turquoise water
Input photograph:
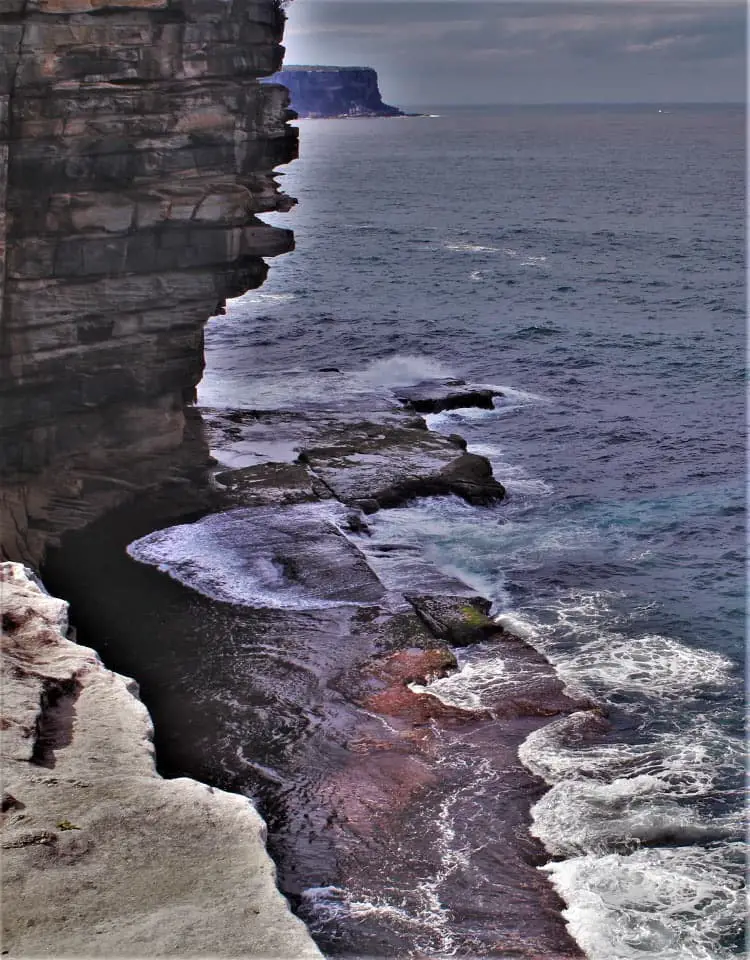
x,y
589,263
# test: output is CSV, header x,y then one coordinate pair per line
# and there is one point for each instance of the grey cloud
x,y
541,49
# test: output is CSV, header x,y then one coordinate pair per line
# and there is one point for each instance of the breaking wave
x,y
284,557
664,904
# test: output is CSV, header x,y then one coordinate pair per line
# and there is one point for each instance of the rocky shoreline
x,y
101,856
138,148
315,702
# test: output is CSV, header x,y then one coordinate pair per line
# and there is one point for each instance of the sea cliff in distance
x,y
320,91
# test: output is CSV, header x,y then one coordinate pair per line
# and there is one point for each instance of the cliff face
x,y
85,850
335,92
136,149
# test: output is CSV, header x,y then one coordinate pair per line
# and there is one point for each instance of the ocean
x,y
588,262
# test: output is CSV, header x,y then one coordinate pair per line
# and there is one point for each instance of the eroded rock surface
x,y
374,466
137,149
333,697
101,856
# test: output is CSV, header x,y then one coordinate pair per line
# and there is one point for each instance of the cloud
x,y
440,50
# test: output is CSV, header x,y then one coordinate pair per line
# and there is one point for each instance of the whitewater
x,y
588,264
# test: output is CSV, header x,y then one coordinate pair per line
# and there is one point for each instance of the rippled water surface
x,y
589,262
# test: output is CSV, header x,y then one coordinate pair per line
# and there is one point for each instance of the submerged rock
x,y
270,483
292,557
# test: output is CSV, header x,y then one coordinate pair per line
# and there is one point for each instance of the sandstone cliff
x,y
101,857
137,148
335,92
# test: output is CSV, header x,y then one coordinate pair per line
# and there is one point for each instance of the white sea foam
x,y
686,762
607,796
482,680
404,370
664,904
579,816
513,476
651,666
476,275
327,904
421,912
525,486
450,420
291,390
595,660
470,248
235,304
290,557
508,400
470,687
369,386
514,395
445,529
517,625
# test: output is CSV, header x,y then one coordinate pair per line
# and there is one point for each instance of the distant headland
x,y
321,91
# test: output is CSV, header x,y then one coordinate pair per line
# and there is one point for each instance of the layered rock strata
x,y
137,148
101,857
335,92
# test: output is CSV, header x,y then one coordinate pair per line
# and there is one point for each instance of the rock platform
x,y
293,657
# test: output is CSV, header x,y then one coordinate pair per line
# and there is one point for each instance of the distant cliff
x,y
335,92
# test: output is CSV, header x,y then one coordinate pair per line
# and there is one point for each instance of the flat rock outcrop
x,y
430,397
305,656
367,459
318,91
372,466
137,149
101,856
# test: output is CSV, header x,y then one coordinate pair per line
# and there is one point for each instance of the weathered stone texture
x,y
137,148
101,857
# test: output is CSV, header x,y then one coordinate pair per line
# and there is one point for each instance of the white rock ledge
x,y
101,856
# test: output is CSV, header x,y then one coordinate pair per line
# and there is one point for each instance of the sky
x,y
445,52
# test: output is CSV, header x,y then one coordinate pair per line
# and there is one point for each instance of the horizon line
x,y
583,103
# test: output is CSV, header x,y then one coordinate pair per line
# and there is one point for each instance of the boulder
x,y
459,621
432,397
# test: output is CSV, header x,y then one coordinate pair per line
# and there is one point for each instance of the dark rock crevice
x,y
54,728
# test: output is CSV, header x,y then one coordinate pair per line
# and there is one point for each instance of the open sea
x,y
589,263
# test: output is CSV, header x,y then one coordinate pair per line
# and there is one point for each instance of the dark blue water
x,y
589,262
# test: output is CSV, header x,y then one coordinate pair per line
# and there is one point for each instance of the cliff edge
x,y
101,856
335,92
137,148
